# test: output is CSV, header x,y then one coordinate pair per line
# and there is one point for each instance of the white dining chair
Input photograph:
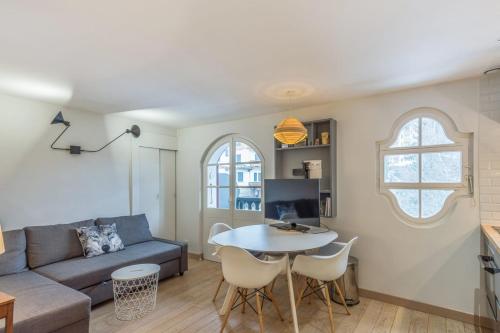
x,y
249,277
319,270
216,229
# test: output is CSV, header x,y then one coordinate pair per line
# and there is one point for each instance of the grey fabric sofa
x,y
55,286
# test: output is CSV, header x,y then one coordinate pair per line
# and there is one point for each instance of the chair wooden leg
x,y
259,312
273,300
218,288
313,285
341,297
231,304
273,283
244,296
326,293
300,294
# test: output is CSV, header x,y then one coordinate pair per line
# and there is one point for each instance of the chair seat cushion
x,y
43,305
79,273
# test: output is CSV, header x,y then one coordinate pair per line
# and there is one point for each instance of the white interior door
x,y
149,187
167,195
232,186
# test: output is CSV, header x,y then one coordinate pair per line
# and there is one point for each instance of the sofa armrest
x,y
184,252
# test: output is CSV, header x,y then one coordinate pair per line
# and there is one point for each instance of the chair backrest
x,y
240,268
217,228
324,268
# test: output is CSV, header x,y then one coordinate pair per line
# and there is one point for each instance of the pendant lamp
x,y
290,131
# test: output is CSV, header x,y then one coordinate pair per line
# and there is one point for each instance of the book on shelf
x,y
328,209
325,207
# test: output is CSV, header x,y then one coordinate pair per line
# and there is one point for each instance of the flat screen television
x,y
292,200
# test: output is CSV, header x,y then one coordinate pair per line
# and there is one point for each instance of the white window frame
x,y
462,143
232,139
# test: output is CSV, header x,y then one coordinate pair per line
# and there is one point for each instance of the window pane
x,y
248,198
445,167
408,201
244,153
433,133
433,201
223,198
218,197
401,168
223,175
408,135
212,175
245,174
211,197
221,155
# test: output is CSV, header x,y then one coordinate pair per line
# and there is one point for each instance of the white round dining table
x,y
267,239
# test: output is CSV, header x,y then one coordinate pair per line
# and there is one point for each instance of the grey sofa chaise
x,y
53,283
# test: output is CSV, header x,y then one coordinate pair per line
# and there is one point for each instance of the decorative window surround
x,y
226,185
425,166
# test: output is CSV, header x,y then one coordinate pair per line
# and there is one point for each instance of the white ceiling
x,y
190,62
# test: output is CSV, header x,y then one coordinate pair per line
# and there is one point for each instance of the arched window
x,y
234,156
425,166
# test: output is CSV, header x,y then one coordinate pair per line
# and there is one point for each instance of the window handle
x,y
470,184
470,179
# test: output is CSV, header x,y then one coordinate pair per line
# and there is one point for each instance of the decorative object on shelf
x,y
316,142
2,244
325,138
312,169
290,131
59,119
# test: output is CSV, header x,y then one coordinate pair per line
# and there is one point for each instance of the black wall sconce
x,y
59,119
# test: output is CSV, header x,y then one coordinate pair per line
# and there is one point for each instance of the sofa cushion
x,y
43,305
52,243
14,258
132,229
79,273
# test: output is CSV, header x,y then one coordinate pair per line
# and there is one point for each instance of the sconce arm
x,y
53,143
107,144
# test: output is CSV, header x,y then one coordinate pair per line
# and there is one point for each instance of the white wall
x,y
42,186
437,265
489,148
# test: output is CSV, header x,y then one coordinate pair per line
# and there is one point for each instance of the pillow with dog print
x,y
97,240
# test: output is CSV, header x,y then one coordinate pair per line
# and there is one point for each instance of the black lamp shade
x,y
135,130
59,119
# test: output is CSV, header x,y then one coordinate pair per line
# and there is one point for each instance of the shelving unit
x,y
304,147
289,158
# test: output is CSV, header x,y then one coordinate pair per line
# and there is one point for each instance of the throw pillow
x,y
97,240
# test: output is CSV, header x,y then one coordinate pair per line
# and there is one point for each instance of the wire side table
x,y
134,289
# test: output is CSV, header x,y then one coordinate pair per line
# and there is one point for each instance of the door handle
x,y
485,264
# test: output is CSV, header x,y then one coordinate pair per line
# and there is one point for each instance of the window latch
x,y
470,183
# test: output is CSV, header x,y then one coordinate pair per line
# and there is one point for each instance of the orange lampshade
x,y
2,245
290,131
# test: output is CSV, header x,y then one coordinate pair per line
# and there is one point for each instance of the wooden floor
x,y
185,305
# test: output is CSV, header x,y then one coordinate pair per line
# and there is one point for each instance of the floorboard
x,y
184,304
